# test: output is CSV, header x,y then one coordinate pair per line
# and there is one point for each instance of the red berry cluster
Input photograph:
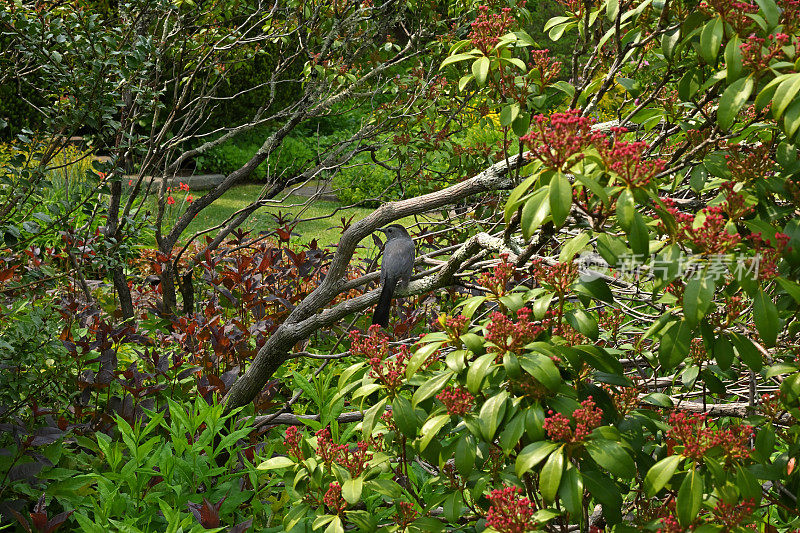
x,y
548,69
497,281
757,55
733,514
457,400
510,513
690,431
333,499
489,27
559,140
508,336
375,346
587,418
732,12
627,160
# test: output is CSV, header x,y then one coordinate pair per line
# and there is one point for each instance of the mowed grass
x,y
323,228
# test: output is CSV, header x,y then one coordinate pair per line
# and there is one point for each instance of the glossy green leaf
x,y
542,368
690,498
765,315
456,58
351,490
550,476
533,454
697,299
733,58
732,101
660,474
275,463
711,39
573,246
771,11
466,451
669,41
420,356
571,490
480,69
430,387
784,94
430,429
674,345
492,412
584,323
612,456
560,198
535,212
404,416
626,209
512,432
747,352
723,352
478,370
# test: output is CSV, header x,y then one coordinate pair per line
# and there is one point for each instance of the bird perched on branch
x,y
396,268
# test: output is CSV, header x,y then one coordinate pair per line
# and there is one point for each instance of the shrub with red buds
x,y
388,365
559,140
457,400
292,442
690,431
333,499
627,160
587,417
510,512
506,335
489,27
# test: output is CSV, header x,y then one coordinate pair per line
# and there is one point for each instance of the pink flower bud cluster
x,y
690,431
587,417
489,27
560,276
509,512
508,336
712,237
749,162
292,442
757,54
790,16
733,514
375,347
405,514
627,160
333,499
734,205
769,253
354,460
457,400
732,12
548,69
559,140
497,281
670,524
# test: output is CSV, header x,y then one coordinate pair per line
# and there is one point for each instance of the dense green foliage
x,y
615,347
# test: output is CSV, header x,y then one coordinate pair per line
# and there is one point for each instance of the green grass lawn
x,y
323,230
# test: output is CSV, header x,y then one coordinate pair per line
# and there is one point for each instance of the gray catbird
x,y
396,267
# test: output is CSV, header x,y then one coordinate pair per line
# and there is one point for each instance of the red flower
x,y
509,513
170,200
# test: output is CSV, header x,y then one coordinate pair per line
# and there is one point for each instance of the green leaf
x,y
480,69
533,454
535,211
780,369
542,368
626,209
791,120
669,41
560,198
675,345
612,456
404,416
508,114
456,58
711,39
747,352
723,352
372,415
466,451
430,429
351,490
492,412
573,246
605,491
784,94
697,298
733,58
550,477
571,490
771,11
420,356
513,431
690,498
612,9
765,315
584,323
274,463
660,474
732,101
521,124
639,237
478,370
430,387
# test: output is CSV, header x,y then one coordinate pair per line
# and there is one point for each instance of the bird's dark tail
x,y
381,315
